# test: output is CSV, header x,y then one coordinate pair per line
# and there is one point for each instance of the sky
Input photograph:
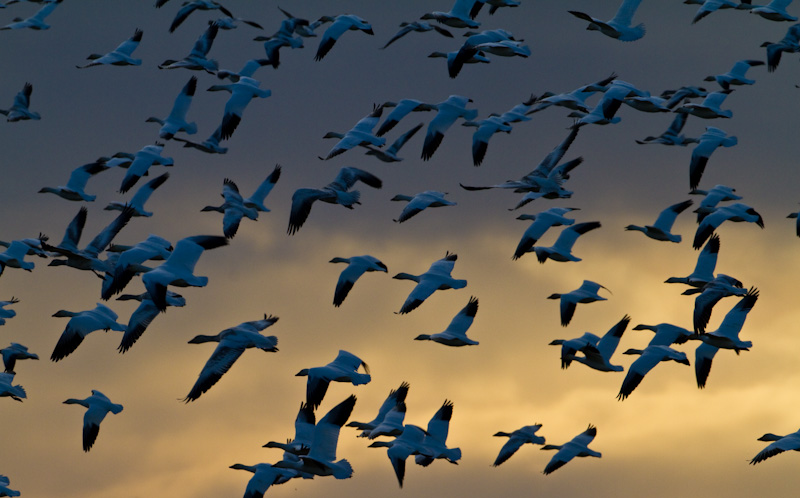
x,y
667,438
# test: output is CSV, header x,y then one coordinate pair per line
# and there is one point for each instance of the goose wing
x,y
221,360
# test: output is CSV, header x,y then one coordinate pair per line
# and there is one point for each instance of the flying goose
x,y
19,110
479,43
81,324
97,407
409,442
493,6
457,17
436,278
704,268
197,60
485,129
142,160
248,69
189,7
36,21
709,295
339,26
13,353
9,390
736,212
143,316
576,447
586,293
778,445
790,43
541,223
209,145
400,110
242,92
651,356
435,440
14,257
141,196
360,134
736,76
419,27
709,6
662,228
575,99
264,476
571,346
130,258
303,432
448,112
774,11
710,107
4,489
561,251
232,342
120,56
284,37
419,202
475,57
605,111
707,144
712,197
356,266
395,397
666,334
233,208
672,136
597,355
392,423
344,368
176,121
389,154
456,333
517,438
4,313
619,26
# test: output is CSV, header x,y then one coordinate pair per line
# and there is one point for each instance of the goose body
x,y
778,445
242,92
209,145
492,41
666,334
74,190
303,432
712,197
736,212
141,196
435,440
419,202
662,228
736,76
576,447
395,397
586,293
142,160
36,21
409,442
672,136
516,439
233,209
561,251
14,257
389,154
81,324
195,5
9,390
651,356
13,353
709,6
618,27
97,407
436,278
19,110
448,112
486,128
456,333
339,26
597,355
176,120
400,110
143,316
417,27
709,108
5,313
356,266
360,134
457,17
790,43
197,60
710,294
541,222
703,272
707,144
120,56
264,476
129,260
774,11
344,368
575,99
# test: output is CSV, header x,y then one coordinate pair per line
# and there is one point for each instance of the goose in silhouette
x,y
597,354
666,334
209,145
143,316
778,445
479,43
709,295
120,56
419,202
704,268
709,6
736,212
586,293
517,438
4,489
4,313
336,192
389,154
81,324
284,37
128,263
648,358
605,111
619,26
242,92
456,333
710,107
457,17
344,368
418,27
302,26
725,337
178,269
139,198
142,160
493,6
339,26
712,197
576,447
14,257
409,442
233,208
360,134
435,440
36,21
19,110
303,432
436,278
264,476
189,7
356,266
392,423
571,346
232,342
486,128
13,353
34,246
197,60
707,144
97,407
233,23
790,43
736,76
561,251
574,100
476,57
541,223
248,69
672,136
774,11
400,110
321,457
176,121
395,397
9,390
662,228
448,112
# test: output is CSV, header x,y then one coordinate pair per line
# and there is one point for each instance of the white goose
x,y
264,476
81,324
409,442
389,154
303,432
672,136
120,56
233,209
14,257
619,26
435,440
448,112
128,263
561,251
707,144
576,447
541,223
13,353
736,212
209,145
709,295
248,69
436,278
232,343
9,390
4,489
666,334
143,316
418,27
586,293
344,368
486,128
778,445
395,396
704,268
712,197
736,76
526,434
790,43
400,110
176,120
36,21
356,266
197,60
709,6
392,423
339,26
459,15
4,313
19,110
597,355
456,333
144,158
242,92
360,134
139,198
774,11
709,108
571,346
97,407
419,202
575,99
651,356
191,6
662,228
479,43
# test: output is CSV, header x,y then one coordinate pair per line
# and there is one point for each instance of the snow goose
x,y
576,447
605,111
648,103
709,295
81,324
400,110
356,266
672,136
120,56
651,356
574,100
493,6
448,112
336,192
284,37
707,144
666,334
303,432
232,342
339,26
476,58
713,196
473,46
736,212
9,390
233,23
189,7
409,442
419,202
242,92
209,145
128,262
264,476
419,27
178,269
139,198
233,208
519,112
13,353
586,293
541,223
709,6
176,121
619,26
561,251
436,278
19,109
774,11
685,92
435,440
4,489
248,69
662,228
790,43
597,355
321,457
97,407
360,134
143,316
456,333
389,154
197,60
571,346
709,108
736,76
778,445
704,268
457,17
14,257
725,337
4,313
344,368
36,21
395,396
142,160
392,423
480,139
523,435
